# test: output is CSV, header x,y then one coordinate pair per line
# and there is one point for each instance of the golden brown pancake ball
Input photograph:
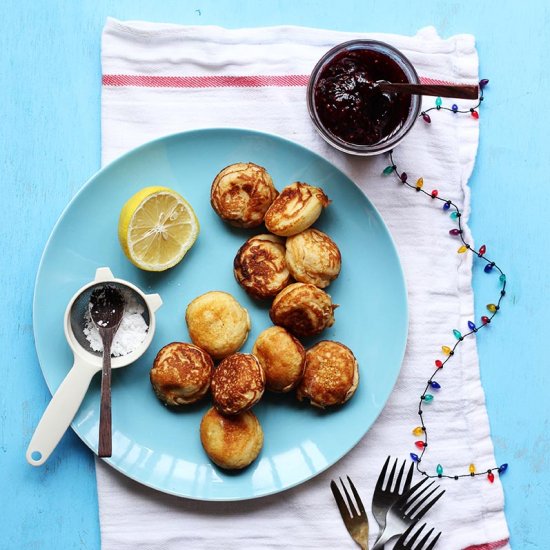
x,y
241,194
282,357
238,383
313,257
331,375
260,266
231,442
181,373
217,323
295,209
303,309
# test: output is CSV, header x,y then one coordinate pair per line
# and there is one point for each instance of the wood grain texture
x,y
50,144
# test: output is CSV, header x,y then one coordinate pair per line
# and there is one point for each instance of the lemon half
x,y
157,226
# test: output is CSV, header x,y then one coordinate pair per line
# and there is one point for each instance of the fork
x,y
385,496
355,519
408,509
411,544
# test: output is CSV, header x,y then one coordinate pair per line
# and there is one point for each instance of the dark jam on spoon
x,y
351,107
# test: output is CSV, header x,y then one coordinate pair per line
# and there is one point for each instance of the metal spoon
x,y
106,310
460,91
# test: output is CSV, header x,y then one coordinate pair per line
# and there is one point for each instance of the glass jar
x,y
367,112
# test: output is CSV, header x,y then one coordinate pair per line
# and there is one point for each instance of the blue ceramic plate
x,y
161,448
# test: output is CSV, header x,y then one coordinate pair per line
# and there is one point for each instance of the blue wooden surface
x,y
50,144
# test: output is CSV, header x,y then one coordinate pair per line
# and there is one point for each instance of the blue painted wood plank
x,y
50,143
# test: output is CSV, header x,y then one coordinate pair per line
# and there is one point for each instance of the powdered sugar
x,y
131,332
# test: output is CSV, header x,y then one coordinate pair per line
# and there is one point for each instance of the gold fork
x,y
354,515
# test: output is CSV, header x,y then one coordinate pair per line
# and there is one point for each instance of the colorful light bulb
x,y
447,205
388,170
415,457
418,431
482,250
472,469
457,333
462,249
492,308
454,215
471,325
435,385
434,193
491,477
485,320
488,268
454,232
502,278
454,107
419,183
439,470
483,82
428,398
426,118
403,177
419,444
475,114
502,468
438,363
446,350
438,102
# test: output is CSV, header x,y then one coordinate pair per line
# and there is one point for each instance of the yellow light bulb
x,y
419,183
462,249
418,431
472,469
491,307
446,350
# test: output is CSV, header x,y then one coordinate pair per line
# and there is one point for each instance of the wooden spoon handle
x,y
441,90
105,426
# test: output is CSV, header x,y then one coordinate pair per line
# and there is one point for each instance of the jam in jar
x,y
347,106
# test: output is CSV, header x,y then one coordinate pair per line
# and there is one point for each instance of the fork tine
x,y
413,497
344,512
399,478
382,476
425,539
421,512
392,476
357,497
434,542
350,502
409,478
410,544
402,500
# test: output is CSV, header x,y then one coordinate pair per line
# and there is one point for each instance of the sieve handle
x,y
59,414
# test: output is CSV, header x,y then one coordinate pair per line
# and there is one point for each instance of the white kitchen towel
x,y
160,79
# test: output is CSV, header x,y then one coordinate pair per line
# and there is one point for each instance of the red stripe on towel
x,y
259,81
489,545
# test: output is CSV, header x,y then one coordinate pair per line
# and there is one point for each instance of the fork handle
x,y
382,539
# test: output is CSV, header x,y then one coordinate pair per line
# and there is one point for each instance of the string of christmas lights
x,y
493,308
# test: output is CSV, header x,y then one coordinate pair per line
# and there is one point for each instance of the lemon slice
x,y
157,226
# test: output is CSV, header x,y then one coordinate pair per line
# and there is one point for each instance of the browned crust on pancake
x,y
313,257
231,442
303,309
217,323
260,266
181,373
282,357
241,194
238,383
331,374
285,215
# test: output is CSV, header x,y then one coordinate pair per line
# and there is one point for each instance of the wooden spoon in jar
x,y
459,91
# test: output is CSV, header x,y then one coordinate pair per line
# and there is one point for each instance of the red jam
x,y
348,104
